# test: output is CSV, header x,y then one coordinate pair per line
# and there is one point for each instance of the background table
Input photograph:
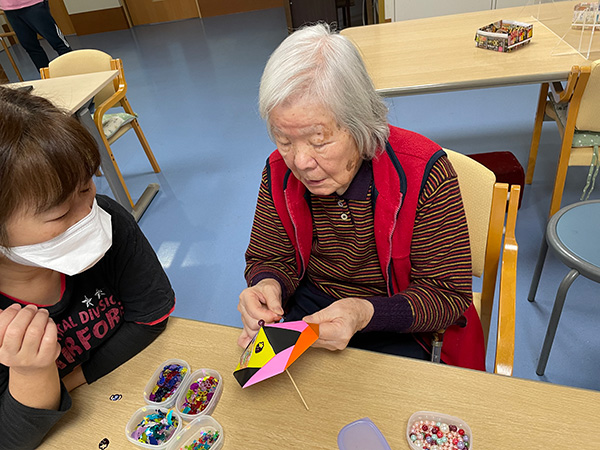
x,y
439,54
339,387
74,94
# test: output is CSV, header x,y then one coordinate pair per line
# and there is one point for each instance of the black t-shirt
x,y
105,316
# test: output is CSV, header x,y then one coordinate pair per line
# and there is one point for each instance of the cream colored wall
x,y
82,6
417,9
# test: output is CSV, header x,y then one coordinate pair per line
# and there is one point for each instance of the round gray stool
x,y
573,233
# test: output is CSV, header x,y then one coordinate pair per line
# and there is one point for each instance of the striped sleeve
x,y
270,253
441,277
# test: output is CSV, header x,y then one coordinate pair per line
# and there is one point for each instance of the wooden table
x,y
439,54
339,387
74,94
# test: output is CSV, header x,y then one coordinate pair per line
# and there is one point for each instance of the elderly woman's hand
x,y
340,321
259,302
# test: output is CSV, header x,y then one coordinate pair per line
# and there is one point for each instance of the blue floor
x,y
195,86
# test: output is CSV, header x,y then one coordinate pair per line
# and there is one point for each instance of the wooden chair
x,y
4,35
485,203
575,110
89,61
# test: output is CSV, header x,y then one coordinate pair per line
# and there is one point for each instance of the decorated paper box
x,y
504,35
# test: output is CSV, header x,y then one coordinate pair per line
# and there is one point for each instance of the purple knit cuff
x,y
391,314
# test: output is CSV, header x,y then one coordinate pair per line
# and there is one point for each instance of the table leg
x,y
85,117
537,273
565,284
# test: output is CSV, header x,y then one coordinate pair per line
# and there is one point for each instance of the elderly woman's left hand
x,y
340,321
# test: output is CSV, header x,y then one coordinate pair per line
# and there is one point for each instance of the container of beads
x,y
164,384
199,394
202,433
152,427
432,431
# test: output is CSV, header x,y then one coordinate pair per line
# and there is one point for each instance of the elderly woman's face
x,y
321,154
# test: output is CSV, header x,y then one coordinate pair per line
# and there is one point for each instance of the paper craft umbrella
x,y
274,348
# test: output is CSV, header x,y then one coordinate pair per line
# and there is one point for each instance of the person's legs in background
x,y
41,18
33,20
27,37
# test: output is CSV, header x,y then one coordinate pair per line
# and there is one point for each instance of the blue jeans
x,y
33,20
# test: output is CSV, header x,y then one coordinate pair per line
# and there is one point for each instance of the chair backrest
x,y
477,200
589,108
484,201
84,61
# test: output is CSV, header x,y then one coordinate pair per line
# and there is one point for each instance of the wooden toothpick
x,y
297,390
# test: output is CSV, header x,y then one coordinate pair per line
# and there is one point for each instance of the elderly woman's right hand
x,y
259,302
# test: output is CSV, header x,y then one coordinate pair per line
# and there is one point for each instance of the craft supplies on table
x,y
426,429
152,427
202,433
163,386
174,394
200,394
504,35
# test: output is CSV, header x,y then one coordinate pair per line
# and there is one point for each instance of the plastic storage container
x,y
435,417
360,435
182,397
154,379
169,434
195,431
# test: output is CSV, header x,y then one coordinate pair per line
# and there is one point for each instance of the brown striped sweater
x,y
344,263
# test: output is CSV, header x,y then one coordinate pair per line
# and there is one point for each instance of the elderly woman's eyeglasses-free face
x,y
321,154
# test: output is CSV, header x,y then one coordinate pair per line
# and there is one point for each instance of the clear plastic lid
x,y
360,435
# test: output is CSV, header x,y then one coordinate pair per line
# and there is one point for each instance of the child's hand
x,y
28,339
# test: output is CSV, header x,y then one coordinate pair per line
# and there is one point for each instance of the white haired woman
x,y
359,225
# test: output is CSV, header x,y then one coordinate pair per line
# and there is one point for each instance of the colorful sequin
x,y
199,395
204,441
430,435
156,429
168,382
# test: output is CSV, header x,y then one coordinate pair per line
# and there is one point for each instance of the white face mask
x,y
72,252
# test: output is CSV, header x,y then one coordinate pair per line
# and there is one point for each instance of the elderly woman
x,y
359,225
81,290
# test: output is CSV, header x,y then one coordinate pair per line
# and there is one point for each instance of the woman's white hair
x,y
318,64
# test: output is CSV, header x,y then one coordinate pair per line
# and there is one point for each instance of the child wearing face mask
x,y
81,290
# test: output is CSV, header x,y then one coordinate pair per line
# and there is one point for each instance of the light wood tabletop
x,y
339,387
72,92
439,53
